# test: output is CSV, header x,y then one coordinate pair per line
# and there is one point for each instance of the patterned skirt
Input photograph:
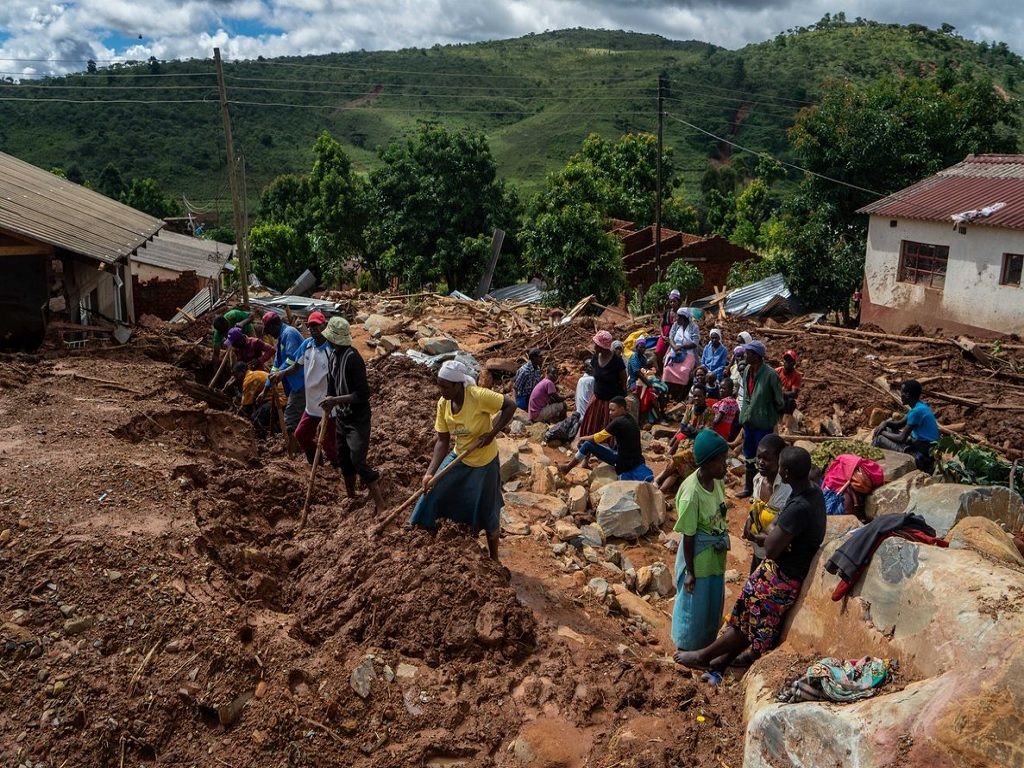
x,y
762,606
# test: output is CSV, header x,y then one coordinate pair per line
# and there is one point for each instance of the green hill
x,y
536,97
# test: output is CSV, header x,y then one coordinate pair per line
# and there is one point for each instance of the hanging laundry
x,y
840,680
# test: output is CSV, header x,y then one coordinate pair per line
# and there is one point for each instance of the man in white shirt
x,y
584,388
313,357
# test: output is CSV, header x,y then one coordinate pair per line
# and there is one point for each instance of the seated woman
x,y
627,458
848,481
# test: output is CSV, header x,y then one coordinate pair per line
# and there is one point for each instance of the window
x,y
923,264
1013,265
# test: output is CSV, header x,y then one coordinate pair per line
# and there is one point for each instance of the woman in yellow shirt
x,y
471,493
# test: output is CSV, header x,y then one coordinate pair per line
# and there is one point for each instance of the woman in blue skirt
x,y
471,492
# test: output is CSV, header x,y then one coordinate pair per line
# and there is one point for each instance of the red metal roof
x,y
977,182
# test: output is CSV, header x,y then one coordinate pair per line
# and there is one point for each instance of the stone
x,y
895,465
5,535
550,506
613,554
513,526
66,610
79,625
636,607
390,343
502,366
570,634
577,500
894,496
985,536
541,481
362,678
732,576
112,575
656,579
578,476
602,475
592,535
536,432
629,509
559,549
566,530
599,587
438,345
508,459
550,742
517,429
379,325
406,672
877,416
943,504
590,555
671,540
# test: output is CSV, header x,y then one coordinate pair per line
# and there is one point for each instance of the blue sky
x,y
38,38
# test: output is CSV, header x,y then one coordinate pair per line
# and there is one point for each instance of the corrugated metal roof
x,y
181,253
766,296
36,204
198,305
975,183
521,293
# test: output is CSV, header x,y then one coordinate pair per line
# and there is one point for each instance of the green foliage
x,y
654,300
110,182
827,451
145,195
222,234
628,172
275,252
750,271
434,192
684,277
963,462
678,214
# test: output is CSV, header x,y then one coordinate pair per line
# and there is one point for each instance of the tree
x,y
110,182
684,277
145,195
431,193
629,168
276,254
90,67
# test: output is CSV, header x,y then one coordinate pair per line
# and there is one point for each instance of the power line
x,y
107,101
104,87
781,162
385,92
106,73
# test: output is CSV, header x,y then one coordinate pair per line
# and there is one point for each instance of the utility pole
x,y
662,84
241,240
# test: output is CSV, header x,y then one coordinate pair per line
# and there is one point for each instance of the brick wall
x,y
162,298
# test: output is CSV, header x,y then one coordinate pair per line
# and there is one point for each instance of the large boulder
x,y
508,458
602,475
630,509
951,619
438,345
542,506
893,497
943,504
379,325
895,465
985,536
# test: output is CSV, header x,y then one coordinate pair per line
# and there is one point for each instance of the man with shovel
x,y
348,395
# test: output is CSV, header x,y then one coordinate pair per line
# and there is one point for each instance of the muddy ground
x,y
159,605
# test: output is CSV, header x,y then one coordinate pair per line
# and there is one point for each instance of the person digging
x,y
348,396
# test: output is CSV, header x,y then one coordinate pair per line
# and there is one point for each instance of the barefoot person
x,y
700,560
627,457
348,396
471,493
790,546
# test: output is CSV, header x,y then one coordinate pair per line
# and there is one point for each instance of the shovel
x,y
312,471
390,516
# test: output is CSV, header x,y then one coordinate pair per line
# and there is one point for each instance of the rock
x,y
559,549
984,536
613,554
602,475
577,500
379,325
636,607
438,345
592,535
390,343
732,576
646,438
549,506
671,540
629,509
895,465
261,689
536,432
112,575
578,476
565,530
943,504
590,555
656,579
508,459
5,535
878,415
541,480
66,610
79,625
599,587
362,678
513,525
549,742
894,496
502,366
570,634
406,672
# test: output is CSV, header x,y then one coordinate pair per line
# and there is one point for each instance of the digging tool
x,y
223,364
312,471
390,516
281,422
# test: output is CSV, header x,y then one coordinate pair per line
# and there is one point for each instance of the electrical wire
x,y
109,101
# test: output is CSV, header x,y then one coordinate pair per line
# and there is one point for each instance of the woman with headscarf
x,y
471,492
668,318
715,356
684,341
609,381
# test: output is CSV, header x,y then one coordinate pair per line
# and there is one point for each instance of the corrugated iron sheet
x,y
181,253
521,293
36,204
975,183
768,296
198,305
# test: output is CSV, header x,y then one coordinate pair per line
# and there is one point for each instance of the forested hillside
x,y
536,98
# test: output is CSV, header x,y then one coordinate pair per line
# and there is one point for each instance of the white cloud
x,y
191,28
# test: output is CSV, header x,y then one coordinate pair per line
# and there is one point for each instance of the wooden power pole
x,y
657,201
241,238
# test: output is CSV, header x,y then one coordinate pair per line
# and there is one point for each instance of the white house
x,y
948,252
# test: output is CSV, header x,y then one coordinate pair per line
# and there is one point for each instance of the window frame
x,y
922,268
1004,269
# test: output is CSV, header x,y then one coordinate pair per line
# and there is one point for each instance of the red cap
x,y
791,353
316,318
269,317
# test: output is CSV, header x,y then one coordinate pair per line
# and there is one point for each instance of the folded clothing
x,y
840,680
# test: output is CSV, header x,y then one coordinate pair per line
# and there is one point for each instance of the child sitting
x,y
712,387
696,418
726,412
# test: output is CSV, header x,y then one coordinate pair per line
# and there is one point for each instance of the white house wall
x,y
972,295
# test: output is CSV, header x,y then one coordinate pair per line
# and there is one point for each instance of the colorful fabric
x,y
700,511
467,495
314,359
792,380
595,417
527,377
729,410
253,385
634,365
472,421
253,352
840,680
697,615
762,606
843,470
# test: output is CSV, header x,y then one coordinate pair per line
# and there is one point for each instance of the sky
x,y
38,37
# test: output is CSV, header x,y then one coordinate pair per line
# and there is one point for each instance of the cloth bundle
x,y
840,680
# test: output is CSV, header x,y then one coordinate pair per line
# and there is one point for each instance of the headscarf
x,y
706,445
456,372
338,332
745,337
269,317
603,339
739,350
618,346
758,348
716,332
674,294
683,312
236,338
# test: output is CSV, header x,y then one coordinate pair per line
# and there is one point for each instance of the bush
x,y
684,277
